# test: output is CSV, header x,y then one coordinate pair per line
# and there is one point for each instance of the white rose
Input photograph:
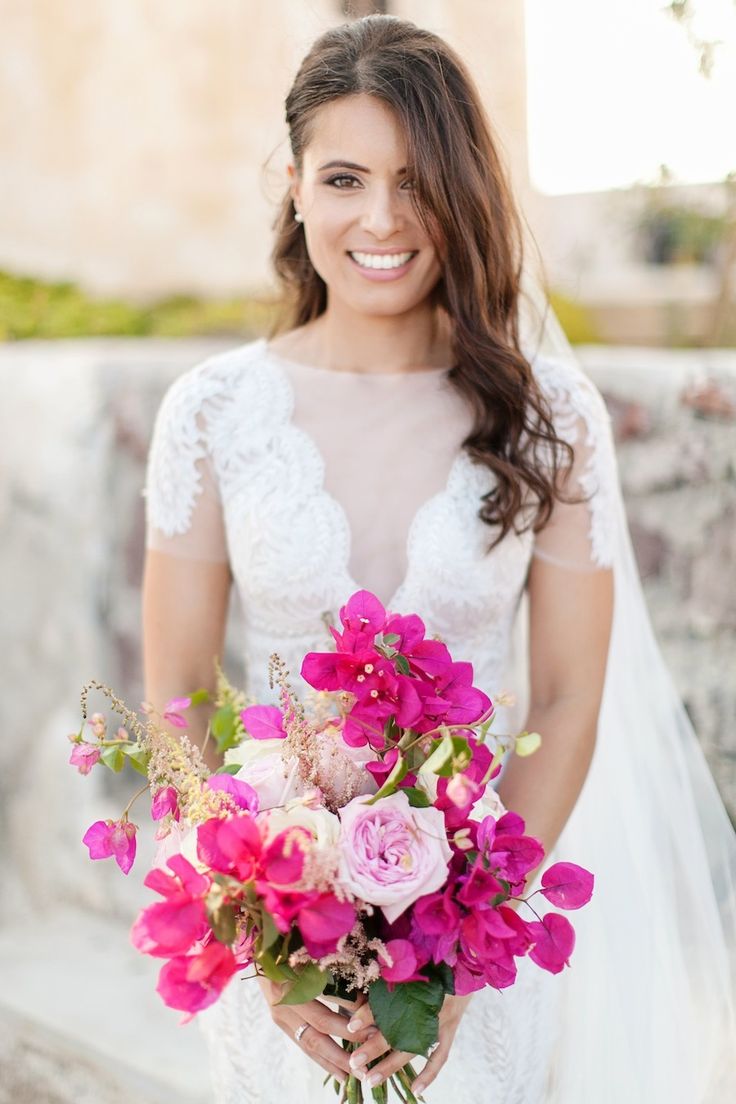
x,y
275,780
323,825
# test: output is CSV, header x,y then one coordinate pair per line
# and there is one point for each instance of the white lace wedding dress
x,y
314,483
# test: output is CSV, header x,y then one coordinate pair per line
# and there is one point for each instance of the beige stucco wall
x,y
142,143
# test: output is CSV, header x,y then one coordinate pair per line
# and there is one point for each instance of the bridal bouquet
x,y
350,847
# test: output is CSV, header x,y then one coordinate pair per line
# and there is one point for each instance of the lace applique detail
x,y
181,441
582,419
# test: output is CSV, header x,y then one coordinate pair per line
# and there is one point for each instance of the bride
x,y
403,431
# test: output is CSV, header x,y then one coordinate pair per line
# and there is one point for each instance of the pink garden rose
x,y
391,853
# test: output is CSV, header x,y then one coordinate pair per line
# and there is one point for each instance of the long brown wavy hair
x,y
463,199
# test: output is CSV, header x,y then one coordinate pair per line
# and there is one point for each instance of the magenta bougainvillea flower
x,y
419,686
173,714
170,927
193,982
112,839
84,757
263,722
567,885
242,794
164,802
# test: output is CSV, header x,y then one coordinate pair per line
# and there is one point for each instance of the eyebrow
x,y
352,165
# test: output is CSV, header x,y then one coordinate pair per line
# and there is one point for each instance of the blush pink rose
x,y
391,853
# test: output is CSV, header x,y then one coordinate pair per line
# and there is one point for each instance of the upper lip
x,y
380,251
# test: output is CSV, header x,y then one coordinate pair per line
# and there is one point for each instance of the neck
x,y
343,340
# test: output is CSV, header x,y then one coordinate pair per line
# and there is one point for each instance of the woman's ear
x,y
293,183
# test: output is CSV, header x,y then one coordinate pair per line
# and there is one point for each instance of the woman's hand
x,y
323,1023
450,1015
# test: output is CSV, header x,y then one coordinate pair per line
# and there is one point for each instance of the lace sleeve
x,y
580,536
184,515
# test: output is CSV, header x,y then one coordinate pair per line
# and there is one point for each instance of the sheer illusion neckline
x,y
344,534
299,365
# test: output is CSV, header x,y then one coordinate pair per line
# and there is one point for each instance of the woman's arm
x,y
570,617
185,604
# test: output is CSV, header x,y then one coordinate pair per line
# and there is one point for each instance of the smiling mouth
x,y
382,261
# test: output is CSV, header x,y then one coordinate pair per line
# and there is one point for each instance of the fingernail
x,y
358,1061
417,1088
354,1025
372,1080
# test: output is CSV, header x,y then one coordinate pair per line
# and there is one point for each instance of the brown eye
x,y
341,176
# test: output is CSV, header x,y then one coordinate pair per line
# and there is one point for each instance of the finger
x,y
386,1068
321,1055
432,1068
361,1018
328,1022
349,1005
368,1052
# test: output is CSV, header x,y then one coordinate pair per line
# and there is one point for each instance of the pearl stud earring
x,y
298,216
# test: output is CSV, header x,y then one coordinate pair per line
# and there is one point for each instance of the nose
x,y
381,215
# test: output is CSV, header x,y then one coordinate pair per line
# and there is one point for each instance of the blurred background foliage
x,y
32,308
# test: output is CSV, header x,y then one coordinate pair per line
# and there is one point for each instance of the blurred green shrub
x,y
575,319
32,308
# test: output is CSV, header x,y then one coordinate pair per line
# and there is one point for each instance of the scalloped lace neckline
x,y
279,367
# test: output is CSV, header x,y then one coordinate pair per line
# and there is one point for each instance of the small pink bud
x,y
313,799
74,738
461,790
146,707
97,718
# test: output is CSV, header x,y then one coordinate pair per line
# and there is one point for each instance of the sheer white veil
x,y
649,1009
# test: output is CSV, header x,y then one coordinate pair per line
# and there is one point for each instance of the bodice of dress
x,y
314,483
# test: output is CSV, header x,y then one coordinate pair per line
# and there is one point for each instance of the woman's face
x,y
356,198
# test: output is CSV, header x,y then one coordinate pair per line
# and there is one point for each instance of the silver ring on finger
x,y
432,1048
300,1031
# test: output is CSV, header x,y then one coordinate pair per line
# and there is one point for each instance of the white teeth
x,y
381,260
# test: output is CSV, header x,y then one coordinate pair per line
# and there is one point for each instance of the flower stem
x,y
135,796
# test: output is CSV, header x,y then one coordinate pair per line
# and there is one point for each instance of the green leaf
x,y
408,1017
446,976
399,771
224,728
138,758
402,664
527,743
200,696
441,755
390,638
275,971
310,983
113,757
418,798
222,921
269,931
228,768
